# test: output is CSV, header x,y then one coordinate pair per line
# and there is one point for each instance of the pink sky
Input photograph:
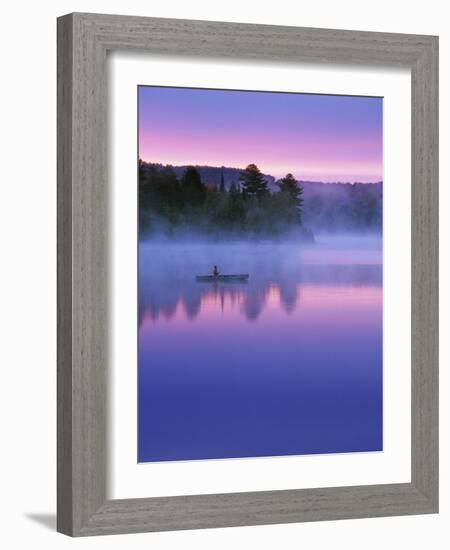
x,y
315,137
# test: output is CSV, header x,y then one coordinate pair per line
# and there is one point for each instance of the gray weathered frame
x,y
83,41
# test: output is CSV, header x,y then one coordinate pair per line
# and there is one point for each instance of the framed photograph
x,y
247,274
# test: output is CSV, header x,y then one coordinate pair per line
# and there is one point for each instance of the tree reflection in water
x,y
165,297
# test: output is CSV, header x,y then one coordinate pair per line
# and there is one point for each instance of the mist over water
x,y
288,363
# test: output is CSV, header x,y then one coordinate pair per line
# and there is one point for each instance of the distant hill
x,y
342,206
211,175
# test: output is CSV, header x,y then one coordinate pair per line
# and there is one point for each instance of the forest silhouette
x,y
221,202
170,205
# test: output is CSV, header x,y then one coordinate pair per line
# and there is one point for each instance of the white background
x,y
28,303
131,480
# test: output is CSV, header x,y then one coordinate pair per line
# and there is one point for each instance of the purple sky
x,y
315,137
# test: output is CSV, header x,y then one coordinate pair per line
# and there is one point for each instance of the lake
x,y
289,363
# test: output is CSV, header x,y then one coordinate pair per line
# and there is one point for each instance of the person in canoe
x,y
215,271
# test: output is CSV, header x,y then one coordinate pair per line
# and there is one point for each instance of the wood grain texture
x,y
64,298
425,251
83,41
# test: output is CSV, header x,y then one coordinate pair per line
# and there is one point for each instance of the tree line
x,y
170,205
340,207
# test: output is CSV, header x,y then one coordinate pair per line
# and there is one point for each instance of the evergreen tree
x,y
193,189
289,186
253,182
169,205
234,189
236,206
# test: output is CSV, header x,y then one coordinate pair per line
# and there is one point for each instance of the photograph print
x,y
259,274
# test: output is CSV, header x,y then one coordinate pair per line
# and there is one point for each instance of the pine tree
x,y
222,183
193,189
289,186
234,189
253,182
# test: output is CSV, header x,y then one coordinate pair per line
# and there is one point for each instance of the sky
x,y
314,137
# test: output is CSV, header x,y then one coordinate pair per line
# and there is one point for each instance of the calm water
x,y
288,363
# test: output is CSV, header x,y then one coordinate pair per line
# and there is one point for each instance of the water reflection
x,y
289,363
160,298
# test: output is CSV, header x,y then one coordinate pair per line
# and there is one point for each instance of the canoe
x,y
224,278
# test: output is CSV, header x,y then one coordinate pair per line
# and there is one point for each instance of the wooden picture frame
x,y
83,41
